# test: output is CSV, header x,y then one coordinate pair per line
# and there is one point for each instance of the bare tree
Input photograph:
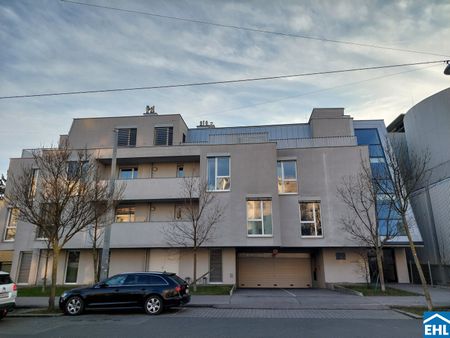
x,y
62,202
408,170
2,186
202,212
102,217
360,195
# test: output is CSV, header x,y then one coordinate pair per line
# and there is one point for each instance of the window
x,y
178,215
73,259
126,137
125,214
287,177
218,173
34,178
128,173
116,280
180,170
11,224
74,168
311,225
163,136
340,256
48,211
259,217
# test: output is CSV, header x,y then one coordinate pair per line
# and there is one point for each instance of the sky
x,y
56,46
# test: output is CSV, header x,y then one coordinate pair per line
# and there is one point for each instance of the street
x,y
212,322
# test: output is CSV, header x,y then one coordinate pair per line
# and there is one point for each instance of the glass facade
x,y
389,221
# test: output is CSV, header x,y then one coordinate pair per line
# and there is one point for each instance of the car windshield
x,y
5,279
115,280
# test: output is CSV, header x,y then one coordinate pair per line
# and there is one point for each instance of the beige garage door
x,y
273,272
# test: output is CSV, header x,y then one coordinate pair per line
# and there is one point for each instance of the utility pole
x,y
107,236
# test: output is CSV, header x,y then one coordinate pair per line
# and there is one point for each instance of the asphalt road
x,y
198,322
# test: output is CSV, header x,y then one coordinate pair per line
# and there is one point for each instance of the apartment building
x,y
426,128
281,226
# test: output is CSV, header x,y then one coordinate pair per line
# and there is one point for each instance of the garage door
x,y
272,272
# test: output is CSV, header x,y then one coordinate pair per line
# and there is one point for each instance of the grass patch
x,y
44,312
211,290
419,310
372,291
36,291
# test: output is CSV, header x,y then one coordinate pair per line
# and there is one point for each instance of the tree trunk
x,y
423,281
195,270
379,254
51,300
95,261
44,285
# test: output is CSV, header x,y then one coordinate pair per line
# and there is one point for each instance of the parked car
x,y
152,291
8,294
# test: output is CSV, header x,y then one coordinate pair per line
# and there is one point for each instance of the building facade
x,y
426,129
281,225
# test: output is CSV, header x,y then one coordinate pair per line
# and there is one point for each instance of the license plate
x,y
4,295
187,291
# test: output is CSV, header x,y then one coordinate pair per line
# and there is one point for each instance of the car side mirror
x,y
101,285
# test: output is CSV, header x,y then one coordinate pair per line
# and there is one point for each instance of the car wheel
x,y
3,314
153,305
74,306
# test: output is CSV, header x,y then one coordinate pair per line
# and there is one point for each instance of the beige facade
x,y
262,240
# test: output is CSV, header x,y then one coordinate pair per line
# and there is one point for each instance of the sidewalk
x,y
295,299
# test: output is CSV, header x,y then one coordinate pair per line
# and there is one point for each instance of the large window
x,y
259,217
310,222
125,214
287,177
77,169
219,173
128,173
126,137
73,260
34,179
11,224
163,136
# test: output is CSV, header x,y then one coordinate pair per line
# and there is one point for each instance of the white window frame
x,y
310,222
287,179
217,177
260,219
8,225
134,171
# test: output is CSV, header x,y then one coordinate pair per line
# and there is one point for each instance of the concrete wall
x,y
401,265
350,270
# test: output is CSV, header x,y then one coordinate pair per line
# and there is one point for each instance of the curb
x,y
406,313
343,289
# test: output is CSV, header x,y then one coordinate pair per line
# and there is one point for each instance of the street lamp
x,y
107,236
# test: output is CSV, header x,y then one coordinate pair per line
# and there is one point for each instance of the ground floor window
x,y
73,260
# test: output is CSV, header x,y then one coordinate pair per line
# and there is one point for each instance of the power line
x,y
316,91
195,84
255,30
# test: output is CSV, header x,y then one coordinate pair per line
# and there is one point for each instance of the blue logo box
x,y
436,324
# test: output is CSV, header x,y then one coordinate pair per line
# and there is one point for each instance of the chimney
x,y
150,110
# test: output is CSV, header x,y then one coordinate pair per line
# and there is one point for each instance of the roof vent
x,y
206,124
150,110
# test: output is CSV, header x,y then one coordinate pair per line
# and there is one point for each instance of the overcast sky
x,y
54,46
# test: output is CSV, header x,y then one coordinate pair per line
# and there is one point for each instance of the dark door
x,y
106,294
130,292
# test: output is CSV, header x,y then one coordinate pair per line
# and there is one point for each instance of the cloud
x,y
51,46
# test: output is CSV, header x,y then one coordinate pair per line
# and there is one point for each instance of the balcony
x,y
152,189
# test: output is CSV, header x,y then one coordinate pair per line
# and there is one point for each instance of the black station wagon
x,y
152,291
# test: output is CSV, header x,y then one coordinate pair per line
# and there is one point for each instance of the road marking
x,y
289,293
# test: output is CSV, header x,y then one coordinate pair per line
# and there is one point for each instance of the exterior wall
x,y
126,260
350,270
330,122
320,172
318,270
401,265
99,131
